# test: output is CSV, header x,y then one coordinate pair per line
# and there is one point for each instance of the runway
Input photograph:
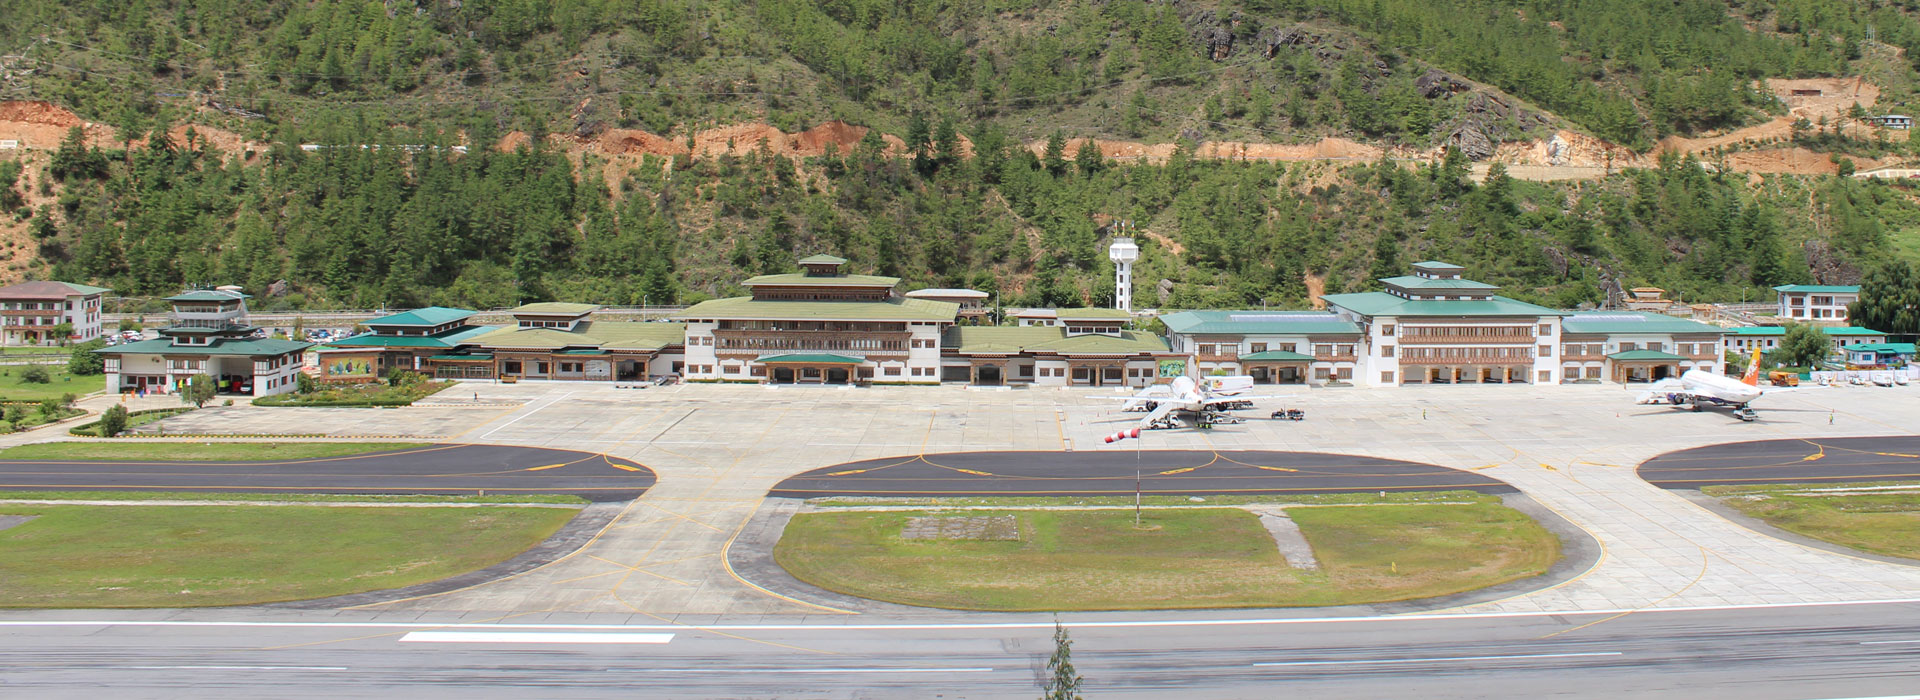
x,y
437,470
1800,461
1778,652
1161,472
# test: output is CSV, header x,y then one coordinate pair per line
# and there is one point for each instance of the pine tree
x,y
1063,683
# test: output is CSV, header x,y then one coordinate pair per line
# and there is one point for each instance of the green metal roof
x,y
430,316
1384,304
248,346
554,308
1413,282
1258,323
1276,356
1608,322
795,279
599,335
208,295
811,358
1782,330
1758,330
823,259
747,309
48,289
1819,288
1645,355
444,340
1008,340
1437,265
1852,330
1093,314
1886,348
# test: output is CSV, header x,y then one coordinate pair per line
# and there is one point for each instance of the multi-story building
x,y
31,312
972,302
1088,349
209,335
1821,303
1273,347
820,325
1635,346
405,340
1746,339
557,340
1435,327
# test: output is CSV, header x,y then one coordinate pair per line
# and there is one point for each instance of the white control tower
x,y
1123,252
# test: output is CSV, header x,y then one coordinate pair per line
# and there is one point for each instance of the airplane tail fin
x,y
1752,377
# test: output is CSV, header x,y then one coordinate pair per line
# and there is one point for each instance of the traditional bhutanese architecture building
x,y
31,311
209,334
555,340
1635,346
1435,327
1746,339
1822,303
1272,347
817,326
1087,349
405,340
1879,355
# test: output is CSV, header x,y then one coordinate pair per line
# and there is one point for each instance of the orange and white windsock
x,y
1122,435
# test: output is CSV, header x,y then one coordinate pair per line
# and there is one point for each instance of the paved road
x,y
1761,653
1811,460
1162,472
439,469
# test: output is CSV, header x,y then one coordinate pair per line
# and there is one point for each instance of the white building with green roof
x,y
1636,346
209,334
1436,327
404,340
32,313
1272,347
817,326
1819,303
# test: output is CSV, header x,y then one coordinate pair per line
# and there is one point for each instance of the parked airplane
x,y
1183,401
1698,389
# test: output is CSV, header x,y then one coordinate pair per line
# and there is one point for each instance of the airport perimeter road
x,y
1806,461
1761,653
1161,472
440,469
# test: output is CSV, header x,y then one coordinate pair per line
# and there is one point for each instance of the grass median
x,y
1190,557
123,451
181,556
1870,517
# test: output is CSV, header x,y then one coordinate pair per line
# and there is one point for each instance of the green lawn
x,y
13,389
1882,523
121,450
1196,557
171,556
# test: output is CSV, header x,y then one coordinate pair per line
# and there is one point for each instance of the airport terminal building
x,y
818,326
209,335
1436,327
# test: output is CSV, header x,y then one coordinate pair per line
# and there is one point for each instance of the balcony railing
x,y
1218,357
1406,339
1333,357
736,342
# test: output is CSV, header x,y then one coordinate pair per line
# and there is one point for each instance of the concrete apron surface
x,y
1573,449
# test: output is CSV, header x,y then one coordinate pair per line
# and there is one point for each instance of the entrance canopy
x,y
811,359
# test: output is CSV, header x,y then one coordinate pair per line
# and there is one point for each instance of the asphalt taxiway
x,y
1160,472
1796,461
435,470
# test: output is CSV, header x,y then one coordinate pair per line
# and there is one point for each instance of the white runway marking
x,y
528,413
237,668
536,637
799,670
1507,657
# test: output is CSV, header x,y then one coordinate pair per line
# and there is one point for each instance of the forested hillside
x,y
959,200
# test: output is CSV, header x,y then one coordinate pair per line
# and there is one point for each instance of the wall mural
x,y
349,366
